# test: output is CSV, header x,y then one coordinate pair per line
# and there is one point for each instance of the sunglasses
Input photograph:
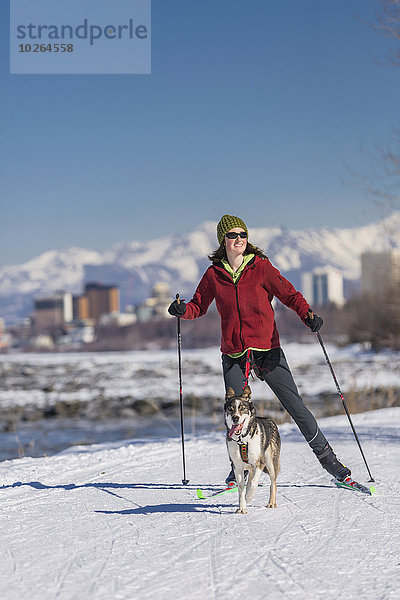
x,y
232,235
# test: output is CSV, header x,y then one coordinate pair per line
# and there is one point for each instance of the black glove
x,y
313,321
177,310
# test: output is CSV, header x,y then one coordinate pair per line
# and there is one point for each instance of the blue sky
x,y
260,109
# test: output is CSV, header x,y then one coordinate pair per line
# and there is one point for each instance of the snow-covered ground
x,y
113,522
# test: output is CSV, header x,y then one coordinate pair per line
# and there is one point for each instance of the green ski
x,y
230,488
350,484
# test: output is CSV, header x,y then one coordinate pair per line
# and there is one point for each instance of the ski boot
x,y
232,477
330,463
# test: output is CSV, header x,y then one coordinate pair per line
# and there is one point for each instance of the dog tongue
x,y
235,429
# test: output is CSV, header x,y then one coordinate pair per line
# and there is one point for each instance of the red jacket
x,y
247,316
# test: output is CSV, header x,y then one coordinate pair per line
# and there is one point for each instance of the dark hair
x,y
220,252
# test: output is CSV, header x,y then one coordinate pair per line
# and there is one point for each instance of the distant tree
x,y
375,320
388,24
382,187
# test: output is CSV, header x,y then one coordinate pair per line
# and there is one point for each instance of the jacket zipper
x,y
237,300
238,309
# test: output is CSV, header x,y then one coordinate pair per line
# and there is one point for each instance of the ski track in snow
x,y
114,522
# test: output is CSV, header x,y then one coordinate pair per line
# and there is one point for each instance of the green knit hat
x,y
227,223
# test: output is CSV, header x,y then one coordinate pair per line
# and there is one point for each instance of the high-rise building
x,y
380,271
81,308
322,286
102,299
52,311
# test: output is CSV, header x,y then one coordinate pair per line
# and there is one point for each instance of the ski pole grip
x,y
178,299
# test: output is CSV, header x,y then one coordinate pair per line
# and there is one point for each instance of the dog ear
x,y
247,392
230,393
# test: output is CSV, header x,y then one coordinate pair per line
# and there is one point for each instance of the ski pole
x,y
184,480
344,403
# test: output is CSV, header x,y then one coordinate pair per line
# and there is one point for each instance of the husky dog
x,y
253,445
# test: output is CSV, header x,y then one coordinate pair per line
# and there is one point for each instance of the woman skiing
x,y
243,283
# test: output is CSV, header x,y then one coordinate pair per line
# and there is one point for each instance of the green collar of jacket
x,y
236,274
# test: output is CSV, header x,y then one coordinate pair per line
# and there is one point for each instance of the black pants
x,y
273,368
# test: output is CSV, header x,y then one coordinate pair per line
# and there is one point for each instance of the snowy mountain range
x,y
180,261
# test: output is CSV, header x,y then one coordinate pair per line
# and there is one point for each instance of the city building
x,y
322,286
77,336
81,308
52,312
97,300
5,338
42,341
157,305
380,271
118,319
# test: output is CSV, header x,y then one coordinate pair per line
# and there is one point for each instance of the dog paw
x,y
271,505
241,511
